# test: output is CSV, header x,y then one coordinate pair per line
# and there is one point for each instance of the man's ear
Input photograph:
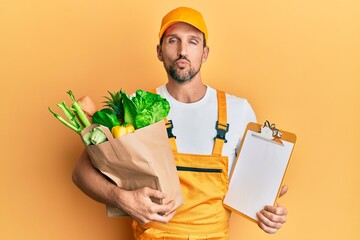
x,y
205,54
159,52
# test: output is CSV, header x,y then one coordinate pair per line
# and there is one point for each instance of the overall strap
x,y
222,127
169,126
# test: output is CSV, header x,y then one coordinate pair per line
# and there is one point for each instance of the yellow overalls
x,y
204,182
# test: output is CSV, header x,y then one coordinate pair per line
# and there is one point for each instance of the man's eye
x,y
172,40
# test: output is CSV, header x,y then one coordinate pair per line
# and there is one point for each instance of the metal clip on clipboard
x,y
269,133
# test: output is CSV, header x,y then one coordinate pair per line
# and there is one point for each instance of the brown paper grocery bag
x,y
140,159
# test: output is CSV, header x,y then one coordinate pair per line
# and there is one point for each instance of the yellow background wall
x,y
297,62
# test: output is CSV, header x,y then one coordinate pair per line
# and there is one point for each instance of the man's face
x,y
182,51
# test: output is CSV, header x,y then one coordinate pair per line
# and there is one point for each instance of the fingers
x,y
162,209
144,210
156,212
278,210
283,190
164,218
271,219
266,226
154,193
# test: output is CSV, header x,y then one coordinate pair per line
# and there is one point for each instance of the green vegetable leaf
x,y
150,108
130,109
144,100
115,103
106,117
156,112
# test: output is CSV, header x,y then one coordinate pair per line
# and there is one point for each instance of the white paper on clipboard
x,y
258,172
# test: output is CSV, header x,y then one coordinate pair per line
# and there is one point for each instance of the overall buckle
x,y
169,126
221,129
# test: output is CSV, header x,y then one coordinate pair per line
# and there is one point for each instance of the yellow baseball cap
x,y
186,15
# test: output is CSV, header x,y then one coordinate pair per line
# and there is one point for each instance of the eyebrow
x,y
171,35
177,36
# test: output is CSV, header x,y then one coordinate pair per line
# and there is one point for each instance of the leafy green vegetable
x,y
156,112
144,109
106,117
144,100
141,110
114,102
130,110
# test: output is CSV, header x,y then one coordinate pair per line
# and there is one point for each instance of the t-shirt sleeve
x,y
249,116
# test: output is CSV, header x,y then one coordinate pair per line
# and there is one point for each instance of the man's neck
x,y
189,92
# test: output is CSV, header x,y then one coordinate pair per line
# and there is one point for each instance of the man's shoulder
x,y
235,99
232,99
161,90
240,108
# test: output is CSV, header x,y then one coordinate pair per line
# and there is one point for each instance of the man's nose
x,y
182,51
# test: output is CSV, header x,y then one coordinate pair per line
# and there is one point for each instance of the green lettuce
x,y
106,117
144,109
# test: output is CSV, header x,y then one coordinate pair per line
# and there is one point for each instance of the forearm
x,y
89,180
136,203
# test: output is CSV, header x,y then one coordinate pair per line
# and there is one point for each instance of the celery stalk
x,y
62,120
69,114
79,112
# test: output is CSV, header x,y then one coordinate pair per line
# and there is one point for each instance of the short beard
x,y
182,78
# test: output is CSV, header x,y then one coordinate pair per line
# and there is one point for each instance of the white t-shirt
x,y
194,123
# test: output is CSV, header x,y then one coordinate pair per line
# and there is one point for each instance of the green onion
x,y
62,120
79,112
69,114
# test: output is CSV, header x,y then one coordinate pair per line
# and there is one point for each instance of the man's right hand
x,y
136,203
139,206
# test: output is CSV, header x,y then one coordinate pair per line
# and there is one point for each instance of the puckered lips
x,y
182,63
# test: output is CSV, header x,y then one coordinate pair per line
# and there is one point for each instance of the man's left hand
x,y
270,218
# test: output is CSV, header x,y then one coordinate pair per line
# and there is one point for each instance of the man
x,y
204,148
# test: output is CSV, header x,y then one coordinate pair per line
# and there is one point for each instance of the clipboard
x,y
257,175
